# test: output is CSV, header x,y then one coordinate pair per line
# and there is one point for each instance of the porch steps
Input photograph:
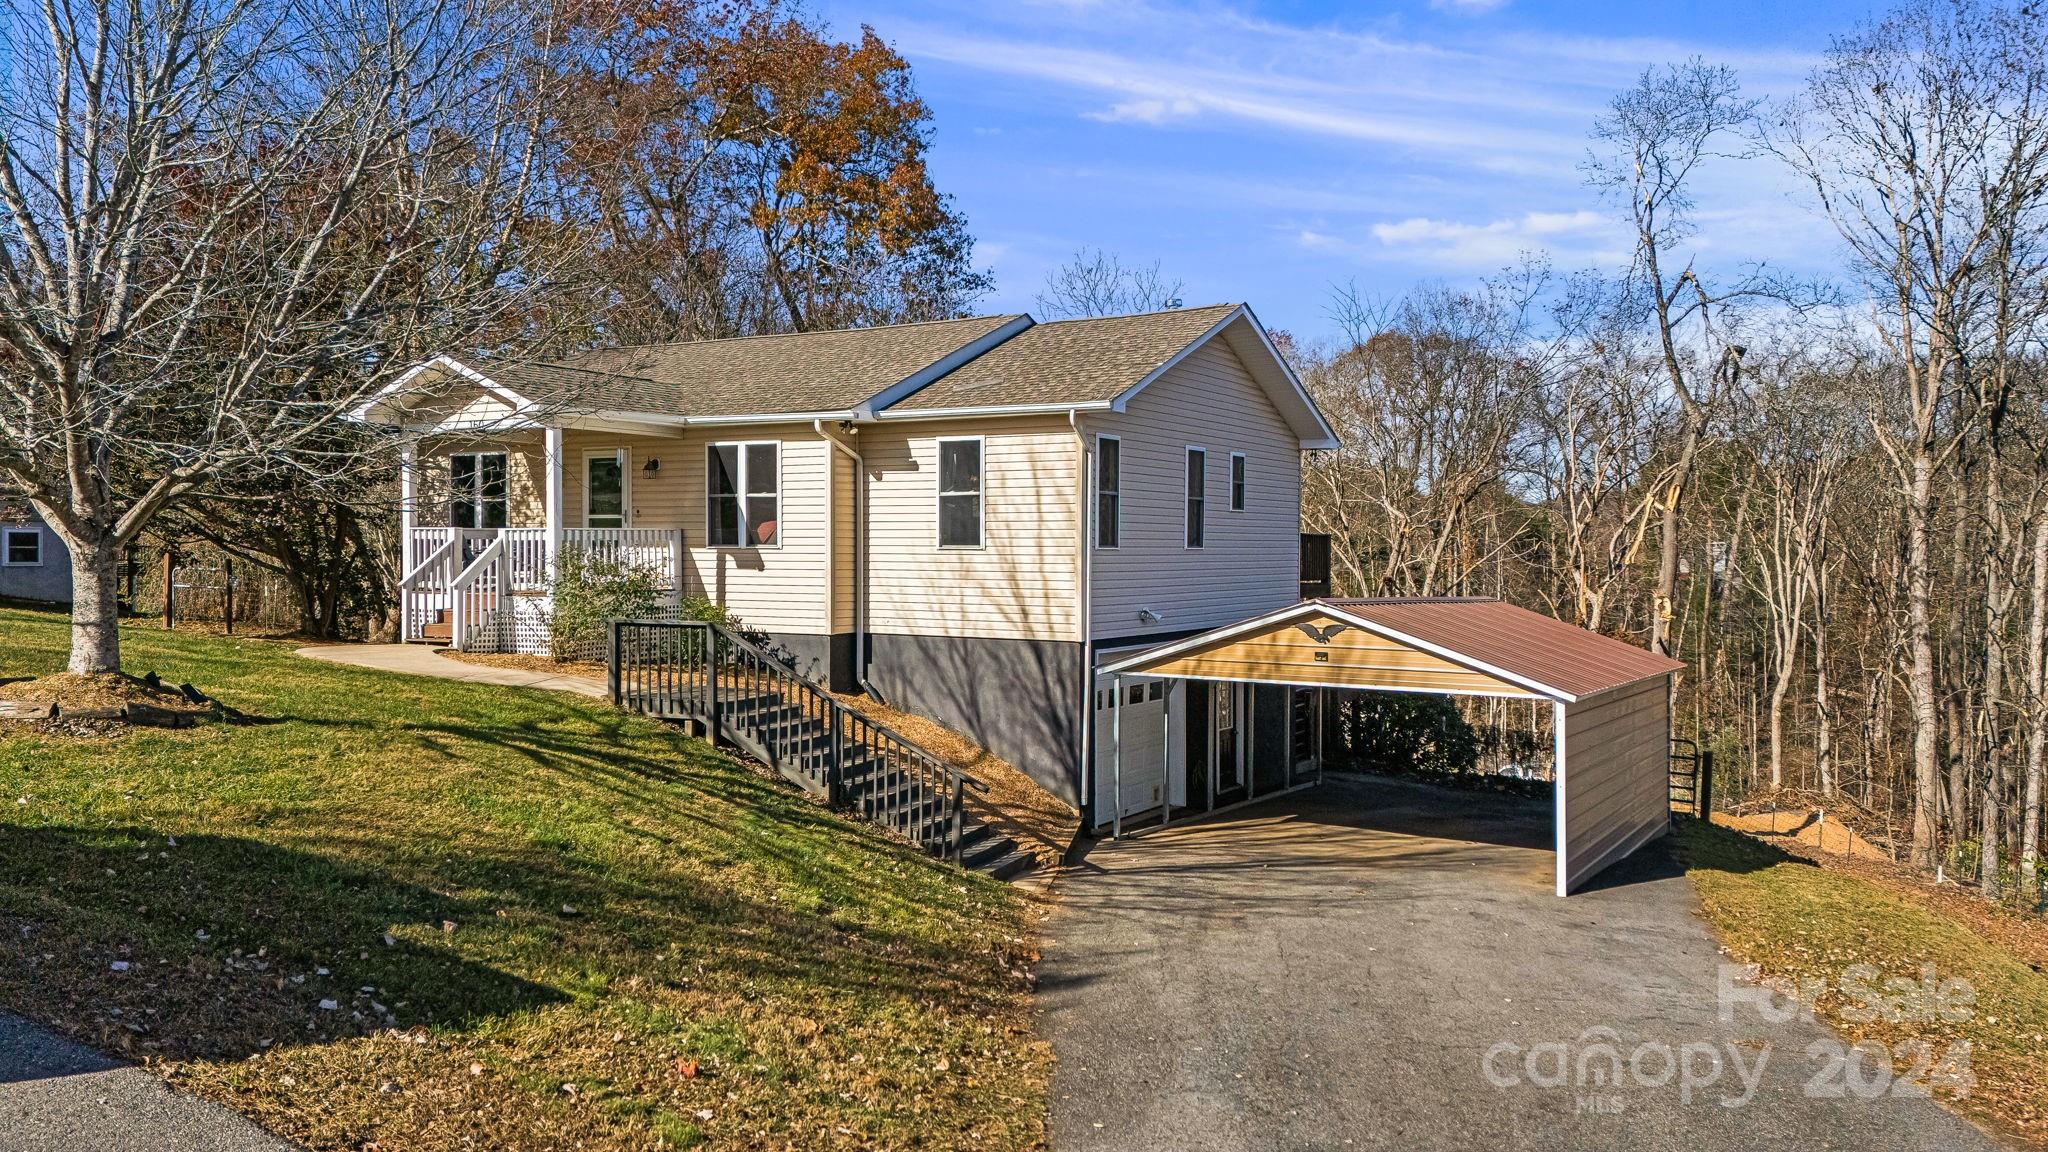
x,y
749,699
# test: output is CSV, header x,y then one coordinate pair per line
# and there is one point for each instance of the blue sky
x,y
1266,151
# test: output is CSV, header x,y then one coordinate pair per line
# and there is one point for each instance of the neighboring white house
x,y
968,516
34,564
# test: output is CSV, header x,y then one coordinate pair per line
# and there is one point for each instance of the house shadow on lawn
x,y
220,947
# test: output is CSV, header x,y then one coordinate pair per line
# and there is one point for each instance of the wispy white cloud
x,y
1578,235
1468,7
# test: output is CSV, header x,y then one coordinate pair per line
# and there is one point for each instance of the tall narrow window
x,y
604,489
1109,483
476,490
960,493
1237,481
742,495
1198,464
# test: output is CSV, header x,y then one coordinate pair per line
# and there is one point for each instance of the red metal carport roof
x,y
1528,644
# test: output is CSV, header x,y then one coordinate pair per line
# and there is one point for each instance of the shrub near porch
x,y
538,923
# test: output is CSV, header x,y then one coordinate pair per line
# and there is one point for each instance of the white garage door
x,y
1152,728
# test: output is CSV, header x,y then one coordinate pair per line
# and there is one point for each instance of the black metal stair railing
x,y
745,696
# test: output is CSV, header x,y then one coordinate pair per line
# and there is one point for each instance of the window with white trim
x,y
1109,494
604,488
743,494
477,490
21,547
960,493
1237,481
1198,483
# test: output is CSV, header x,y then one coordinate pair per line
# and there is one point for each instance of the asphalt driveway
x,y
1377,964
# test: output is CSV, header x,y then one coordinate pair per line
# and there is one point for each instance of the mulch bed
x,y
68,703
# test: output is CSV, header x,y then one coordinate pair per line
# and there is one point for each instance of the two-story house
x,y
965,517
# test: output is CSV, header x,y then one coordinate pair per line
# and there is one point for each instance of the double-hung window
x,y
960,493
1237,481
21,547
743,495
1109,483
476,490
1198,504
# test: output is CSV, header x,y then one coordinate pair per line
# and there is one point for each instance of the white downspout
x,y
1085,599
860,558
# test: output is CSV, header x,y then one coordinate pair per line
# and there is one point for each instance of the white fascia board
x,y
1328,439
367,412
766,418
990,410
1123,398
1178,648
917,381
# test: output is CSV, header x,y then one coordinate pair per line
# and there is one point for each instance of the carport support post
x,y
1165,751
1557,792
1116,757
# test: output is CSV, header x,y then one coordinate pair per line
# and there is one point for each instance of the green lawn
x,y
1800,921
540,923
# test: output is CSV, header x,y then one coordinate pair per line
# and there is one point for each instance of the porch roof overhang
x,y
1446,645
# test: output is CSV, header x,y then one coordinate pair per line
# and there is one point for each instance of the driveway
x,y
1332,968
56,1096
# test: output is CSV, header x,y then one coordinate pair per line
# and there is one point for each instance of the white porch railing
x,y
468,575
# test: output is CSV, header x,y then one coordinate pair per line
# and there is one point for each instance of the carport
x,y
1610,700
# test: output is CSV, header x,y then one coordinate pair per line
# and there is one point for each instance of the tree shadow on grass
x,y
220,946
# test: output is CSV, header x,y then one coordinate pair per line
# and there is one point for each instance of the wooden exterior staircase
x,y
745,697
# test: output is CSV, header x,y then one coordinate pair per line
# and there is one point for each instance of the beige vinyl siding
x,y
783,588
1022,582
1249,561
845,525
1616,789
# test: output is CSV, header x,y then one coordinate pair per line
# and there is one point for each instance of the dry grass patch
x,y
1801,919
527,662
1014,805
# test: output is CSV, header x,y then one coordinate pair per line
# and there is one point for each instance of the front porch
x,y
486,589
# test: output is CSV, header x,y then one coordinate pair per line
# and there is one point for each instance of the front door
x,y
604,489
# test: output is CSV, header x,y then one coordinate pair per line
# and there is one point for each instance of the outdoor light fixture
x,y
653,465
1147,616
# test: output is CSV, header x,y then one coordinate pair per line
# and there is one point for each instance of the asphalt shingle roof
x,y
800,372
1068,361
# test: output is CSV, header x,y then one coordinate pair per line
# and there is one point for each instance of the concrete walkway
x,y
1376,964
420,660
56,1096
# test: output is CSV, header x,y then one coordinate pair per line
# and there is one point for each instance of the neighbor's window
x,y
1237,481
604,489
743,484
960,493
1198,464
1109,467
23,546
476,490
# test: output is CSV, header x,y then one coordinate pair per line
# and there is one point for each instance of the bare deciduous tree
x,y
223,224
1099,283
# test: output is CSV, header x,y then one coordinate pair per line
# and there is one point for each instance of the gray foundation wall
x,y
1021,699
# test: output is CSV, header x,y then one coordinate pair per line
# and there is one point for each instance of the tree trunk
x,y
1920,638
95,606
2037,712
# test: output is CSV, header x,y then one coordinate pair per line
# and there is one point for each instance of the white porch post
x,y
553,465
408,488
